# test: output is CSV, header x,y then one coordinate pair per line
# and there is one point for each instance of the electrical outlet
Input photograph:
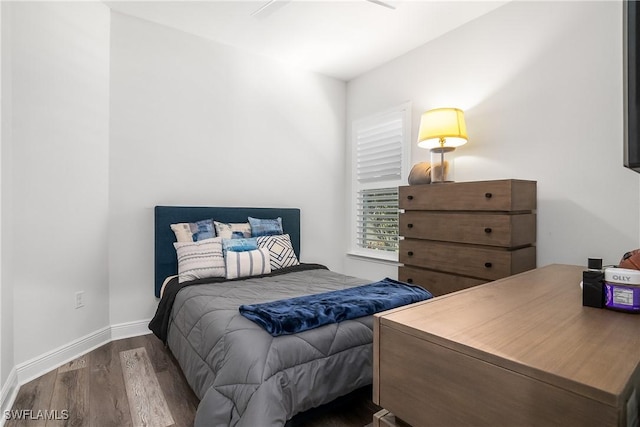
x,y
79,299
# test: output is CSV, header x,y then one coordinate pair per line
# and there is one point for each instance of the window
x,y
380,146
377,219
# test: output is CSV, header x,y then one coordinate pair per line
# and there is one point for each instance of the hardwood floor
x,y
96,391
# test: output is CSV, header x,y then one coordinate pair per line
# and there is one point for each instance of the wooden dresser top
x,y
533,323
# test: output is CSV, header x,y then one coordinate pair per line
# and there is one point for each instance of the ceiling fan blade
x,y
262,8
381,3
270,7
280,3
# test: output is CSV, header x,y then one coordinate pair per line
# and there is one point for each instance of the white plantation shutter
x,y
380,151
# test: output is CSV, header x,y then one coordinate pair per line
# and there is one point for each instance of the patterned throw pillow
x,y
199,260
193,231
232,231
265,227
280,250
239,245
247,263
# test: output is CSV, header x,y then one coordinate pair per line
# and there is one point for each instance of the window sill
x,y
388,259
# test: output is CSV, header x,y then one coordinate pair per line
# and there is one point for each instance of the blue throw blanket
x,y
293,315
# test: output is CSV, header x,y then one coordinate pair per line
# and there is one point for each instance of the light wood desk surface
x,y
532,324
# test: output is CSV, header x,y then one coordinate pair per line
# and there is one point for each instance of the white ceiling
x,y
338,38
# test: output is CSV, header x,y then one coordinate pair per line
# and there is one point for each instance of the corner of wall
x,y
8,394
6,286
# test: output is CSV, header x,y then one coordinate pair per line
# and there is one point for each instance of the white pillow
x,y
183,232
280,250
247,263
199,260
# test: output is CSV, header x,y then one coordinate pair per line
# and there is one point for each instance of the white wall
x,y
541,86
59,183
6,309
198,123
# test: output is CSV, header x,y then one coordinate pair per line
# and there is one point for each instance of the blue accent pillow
x,y
239,245
231,230
204,230
265,227
194,231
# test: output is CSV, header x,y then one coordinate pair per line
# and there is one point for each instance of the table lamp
x,y
441,131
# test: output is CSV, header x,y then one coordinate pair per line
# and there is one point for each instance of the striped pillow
x,y
199,260
247,263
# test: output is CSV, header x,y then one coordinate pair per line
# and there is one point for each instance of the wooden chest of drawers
x,y
459,235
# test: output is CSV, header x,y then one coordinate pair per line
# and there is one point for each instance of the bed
x,y
242,375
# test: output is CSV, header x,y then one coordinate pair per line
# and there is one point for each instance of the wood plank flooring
x,y
100,389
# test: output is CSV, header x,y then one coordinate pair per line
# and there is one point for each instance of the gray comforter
x,y
244,376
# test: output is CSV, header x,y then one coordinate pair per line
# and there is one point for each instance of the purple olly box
x,y
622,289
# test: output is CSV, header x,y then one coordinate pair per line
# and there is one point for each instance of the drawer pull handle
x,y
409,225
409,280
488,230
488,195
488,264
410,253
410,197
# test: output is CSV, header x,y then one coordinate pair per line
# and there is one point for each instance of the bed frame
x,y
166,263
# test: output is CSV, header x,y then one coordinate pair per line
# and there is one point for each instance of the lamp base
x,y
441,168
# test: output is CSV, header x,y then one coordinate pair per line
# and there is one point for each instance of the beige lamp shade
x,y
442,127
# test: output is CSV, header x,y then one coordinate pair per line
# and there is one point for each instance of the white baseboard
x,y
40,365
44,363
130,329
8,394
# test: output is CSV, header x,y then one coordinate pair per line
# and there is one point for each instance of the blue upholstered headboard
x,y
166,263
